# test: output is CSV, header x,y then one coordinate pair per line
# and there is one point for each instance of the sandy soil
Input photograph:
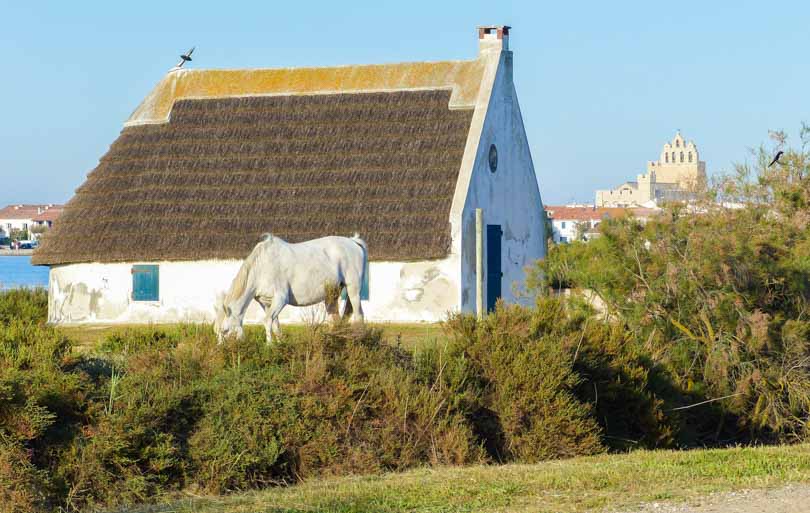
x,y
791,499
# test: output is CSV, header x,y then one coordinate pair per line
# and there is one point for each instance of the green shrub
x,y
715,300
529,383
246,434
159,410
23,487
24,305
41,405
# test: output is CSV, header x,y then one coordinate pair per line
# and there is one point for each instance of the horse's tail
x,y
360,242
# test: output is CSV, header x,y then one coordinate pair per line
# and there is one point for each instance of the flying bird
x,y
776,158
184,58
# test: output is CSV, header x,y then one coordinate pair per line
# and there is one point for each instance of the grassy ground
x,y
406,335
581,484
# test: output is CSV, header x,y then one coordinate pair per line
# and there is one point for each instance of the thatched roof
x,y
222,171
463,78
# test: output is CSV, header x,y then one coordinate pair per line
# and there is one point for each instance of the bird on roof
x,y
184,58
776,158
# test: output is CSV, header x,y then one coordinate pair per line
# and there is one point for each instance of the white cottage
x,y
403,154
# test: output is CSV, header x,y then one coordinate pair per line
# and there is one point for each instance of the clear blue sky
x,y
602,85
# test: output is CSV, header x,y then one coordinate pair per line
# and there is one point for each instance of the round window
x,y
493,158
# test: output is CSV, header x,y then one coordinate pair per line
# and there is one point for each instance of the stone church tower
x,y
675,176
680,164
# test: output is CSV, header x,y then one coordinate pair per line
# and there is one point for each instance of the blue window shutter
x,y
145,283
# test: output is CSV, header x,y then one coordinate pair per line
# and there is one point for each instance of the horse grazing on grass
x,y
277,274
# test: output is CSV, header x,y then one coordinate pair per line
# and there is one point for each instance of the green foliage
x,y
561,384
17,234
26,305
157,410
246,435
37,393
529,383
23,487
154,411
717,296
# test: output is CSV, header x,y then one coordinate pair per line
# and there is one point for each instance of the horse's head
x,y
226,323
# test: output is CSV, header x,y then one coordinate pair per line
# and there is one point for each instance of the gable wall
x,y
509,197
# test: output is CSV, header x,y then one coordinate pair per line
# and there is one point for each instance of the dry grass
x,y
580,484
408,336
384,165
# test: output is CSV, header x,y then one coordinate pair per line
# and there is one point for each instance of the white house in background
x,y
581,222
403,154
25,217
48,215
675,176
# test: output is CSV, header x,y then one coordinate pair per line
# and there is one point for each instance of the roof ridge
x,y
331,66
462,77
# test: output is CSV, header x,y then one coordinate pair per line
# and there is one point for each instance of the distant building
x,y
25,217
403,154
675,176
48,216
580,222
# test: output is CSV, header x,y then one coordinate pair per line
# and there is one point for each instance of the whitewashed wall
x,y
509,197
101,293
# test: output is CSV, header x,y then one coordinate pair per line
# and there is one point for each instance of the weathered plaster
x,y
101,293
509,197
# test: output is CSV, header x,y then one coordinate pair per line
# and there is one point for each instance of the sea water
x,y
17,271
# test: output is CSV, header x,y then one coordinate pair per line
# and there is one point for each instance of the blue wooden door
x,y
145,283
494,273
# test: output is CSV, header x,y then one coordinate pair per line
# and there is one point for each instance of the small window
x,y
666,158
673,157
563,239
677,143
562,225
690,156
493,158
25,226
145,283
681,156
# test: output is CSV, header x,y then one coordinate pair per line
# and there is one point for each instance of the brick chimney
x,y
493,37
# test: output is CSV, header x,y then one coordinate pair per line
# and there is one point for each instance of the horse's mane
x,y
240,281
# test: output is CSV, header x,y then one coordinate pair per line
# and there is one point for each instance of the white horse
x,y
277,274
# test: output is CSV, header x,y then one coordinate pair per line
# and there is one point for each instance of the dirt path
x,y
791,499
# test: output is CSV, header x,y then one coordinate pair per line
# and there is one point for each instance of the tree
x,y
17,234
717,292
39,229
